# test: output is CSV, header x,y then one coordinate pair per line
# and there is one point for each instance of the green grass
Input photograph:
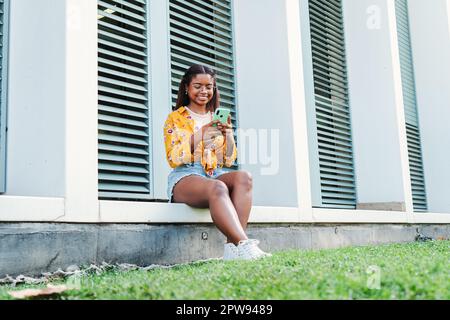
x,y
406,271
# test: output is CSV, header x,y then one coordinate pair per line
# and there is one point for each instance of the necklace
x,y
198,114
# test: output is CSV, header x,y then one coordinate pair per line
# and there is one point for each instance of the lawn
x,y
417,270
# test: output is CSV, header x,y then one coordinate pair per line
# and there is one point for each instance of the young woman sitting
x,y
197,148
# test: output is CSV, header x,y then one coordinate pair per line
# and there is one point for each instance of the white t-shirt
x,y
200,119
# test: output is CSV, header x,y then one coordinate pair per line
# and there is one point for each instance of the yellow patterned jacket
x,y
178,129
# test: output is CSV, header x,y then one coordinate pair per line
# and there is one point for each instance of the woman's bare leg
x,y
240,185
201,192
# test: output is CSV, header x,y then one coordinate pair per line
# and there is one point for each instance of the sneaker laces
x,y
231,252
250,248
232,247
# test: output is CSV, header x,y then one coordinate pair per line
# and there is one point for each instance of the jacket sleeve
x,y
177,143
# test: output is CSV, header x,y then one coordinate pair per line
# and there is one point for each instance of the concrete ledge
x,y
52,210
33,248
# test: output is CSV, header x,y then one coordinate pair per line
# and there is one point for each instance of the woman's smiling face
x,y
201,89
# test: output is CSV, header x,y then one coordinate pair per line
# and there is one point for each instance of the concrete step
x,y
33,248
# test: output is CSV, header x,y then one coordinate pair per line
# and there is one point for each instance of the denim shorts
x,y
188,170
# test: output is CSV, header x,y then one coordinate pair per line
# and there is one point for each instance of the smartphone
x,y
221,114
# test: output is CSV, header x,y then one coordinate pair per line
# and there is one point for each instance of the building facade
x,y
340,107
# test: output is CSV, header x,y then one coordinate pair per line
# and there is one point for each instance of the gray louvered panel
x,y
123,121
334,137
201,33
416,169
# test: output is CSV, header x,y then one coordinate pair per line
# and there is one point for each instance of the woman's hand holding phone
x,y
207,134
210,131
227,131
225,128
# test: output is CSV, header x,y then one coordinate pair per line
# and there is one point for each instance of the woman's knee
x,y
244,180
218,189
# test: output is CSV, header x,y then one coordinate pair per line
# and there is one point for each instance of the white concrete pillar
x,y
161,100
376,104
52,138
36,99
270,104
299,107
430,37
81,118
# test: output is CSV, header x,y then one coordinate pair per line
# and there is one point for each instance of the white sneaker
x,y
230,252
249,250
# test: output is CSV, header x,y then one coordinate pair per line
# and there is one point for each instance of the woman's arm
x,y
230,148
207,134
195,140
177,143
228,152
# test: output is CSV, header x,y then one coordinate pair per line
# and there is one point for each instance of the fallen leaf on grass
x,y
31,293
